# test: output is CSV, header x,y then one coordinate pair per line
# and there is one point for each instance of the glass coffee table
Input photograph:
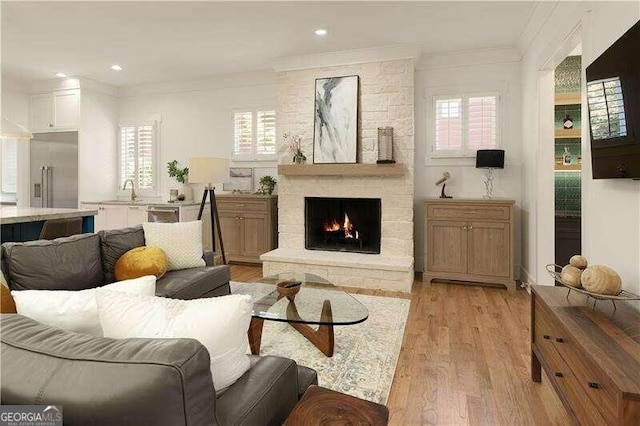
x,y
318,302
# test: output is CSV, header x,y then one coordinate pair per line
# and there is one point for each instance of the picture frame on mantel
x,y
335,124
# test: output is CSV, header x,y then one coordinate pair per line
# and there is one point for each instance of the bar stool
x,y
57,228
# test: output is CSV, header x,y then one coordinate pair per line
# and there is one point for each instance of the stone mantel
x,y
359,169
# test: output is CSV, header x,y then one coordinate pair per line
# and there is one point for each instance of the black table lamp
x,y
489,159
207,171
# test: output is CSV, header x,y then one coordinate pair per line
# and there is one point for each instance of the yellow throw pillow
x,y
141,261
7,304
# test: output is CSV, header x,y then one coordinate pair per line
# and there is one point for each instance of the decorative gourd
x,y
602,280
571,275
578,261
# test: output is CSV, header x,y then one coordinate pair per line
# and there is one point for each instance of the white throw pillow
x,y
219,323
181,242
75,311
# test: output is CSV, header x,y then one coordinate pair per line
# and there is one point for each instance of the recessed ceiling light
x,y
116,67
60,74
321,32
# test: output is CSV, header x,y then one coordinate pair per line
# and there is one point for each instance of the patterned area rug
x,y
365,354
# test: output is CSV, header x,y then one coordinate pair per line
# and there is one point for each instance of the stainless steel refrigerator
x,y
54,170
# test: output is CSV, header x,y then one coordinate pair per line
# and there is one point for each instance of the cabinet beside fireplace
x,y
470,241
249,225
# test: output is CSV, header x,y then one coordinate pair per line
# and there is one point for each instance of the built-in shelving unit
x,y
568,98
395,169
567,133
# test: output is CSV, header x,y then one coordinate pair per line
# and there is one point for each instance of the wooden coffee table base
x,y
321,406
322,338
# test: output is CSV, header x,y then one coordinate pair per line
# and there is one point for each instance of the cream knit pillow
x,y
180,241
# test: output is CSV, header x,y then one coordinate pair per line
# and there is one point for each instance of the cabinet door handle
x,y
470,212
559,374
241,205
464,227
594,385
470,226
546,336
559,340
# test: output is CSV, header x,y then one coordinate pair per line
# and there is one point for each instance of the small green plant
x,y
181,175
267,184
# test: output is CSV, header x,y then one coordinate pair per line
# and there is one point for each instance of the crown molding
x,y
247,79
346,57
469,58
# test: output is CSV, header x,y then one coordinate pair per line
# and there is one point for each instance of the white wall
x,y
610,208
196,117
97,144
15,106
465,75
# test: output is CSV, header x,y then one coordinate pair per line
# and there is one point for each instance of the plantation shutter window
x,y
9,166
138,156
266,132
482,122
448,124
243,133
465,123
254,134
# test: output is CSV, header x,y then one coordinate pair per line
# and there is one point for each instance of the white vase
x,y
186,190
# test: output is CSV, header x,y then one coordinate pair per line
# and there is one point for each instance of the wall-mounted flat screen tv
x,y
613,98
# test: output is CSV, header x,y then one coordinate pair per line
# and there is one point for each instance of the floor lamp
x,y
209,170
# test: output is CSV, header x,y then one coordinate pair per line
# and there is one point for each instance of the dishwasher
x,y
166,214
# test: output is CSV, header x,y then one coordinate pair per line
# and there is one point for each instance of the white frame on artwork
x,y
351,148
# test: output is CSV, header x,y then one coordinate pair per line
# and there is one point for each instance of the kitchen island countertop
x,y
12,214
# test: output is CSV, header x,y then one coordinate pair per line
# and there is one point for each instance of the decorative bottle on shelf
x,y
566,157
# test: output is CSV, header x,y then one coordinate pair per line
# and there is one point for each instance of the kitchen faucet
x,y
133,191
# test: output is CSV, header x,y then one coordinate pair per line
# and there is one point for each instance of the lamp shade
x,y
490,159
11,130
208,170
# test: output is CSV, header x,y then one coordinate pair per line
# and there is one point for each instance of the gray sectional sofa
x,y
102,381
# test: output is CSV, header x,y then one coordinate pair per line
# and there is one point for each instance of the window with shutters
x,y
254,134
464,123
138,159
9,160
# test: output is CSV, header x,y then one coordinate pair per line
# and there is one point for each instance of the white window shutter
x,y
127,154
482,125
146,137
265,132
448,125
9,165
243,133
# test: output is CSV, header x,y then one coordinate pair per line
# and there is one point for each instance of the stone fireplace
x,y
381,255
342,224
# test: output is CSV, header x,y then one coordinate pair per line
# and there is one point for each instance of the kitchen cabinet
x,y
249,226
55,112
108,217
470,240
135,215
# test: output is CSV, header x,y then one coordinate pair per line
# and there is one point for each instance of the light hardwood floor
x,y
464,359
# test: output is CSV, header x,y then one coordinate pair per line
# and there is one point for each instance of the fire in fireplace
x,y
343,224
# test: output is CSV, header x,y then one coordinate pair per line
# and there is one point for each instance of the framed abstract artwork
x,y
240,180
335,138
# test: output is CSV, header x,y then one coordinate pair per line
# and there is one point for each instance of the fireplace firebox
x,y
343,224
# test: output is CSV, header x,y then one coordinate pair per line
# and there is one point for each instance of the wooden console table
x,y
591,356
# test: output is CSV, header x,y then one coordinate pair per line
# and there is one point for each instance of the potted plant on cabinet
x,y
181,175
267,184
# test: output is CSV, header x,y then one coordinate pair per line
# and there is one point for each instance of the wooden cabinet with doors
x,y
249,225
470,240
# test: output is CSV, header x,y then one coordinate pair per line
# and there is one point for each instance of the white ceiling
x,y
170,41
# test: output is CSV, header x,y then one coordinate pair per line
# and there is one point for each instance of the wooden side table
x,y
322,406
